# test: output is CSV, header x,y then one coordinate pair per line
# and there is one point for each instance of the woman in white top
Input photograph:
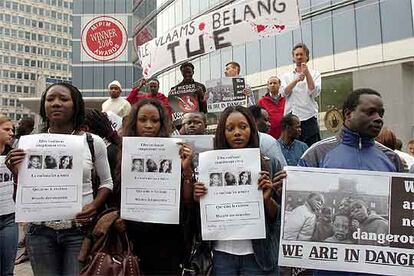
x,y
8,228
55,245
236,130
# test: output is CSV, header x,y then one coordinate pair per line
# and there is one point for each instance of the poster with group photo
x,y
50,177
233,207
151,180
6,189
199,144
348,220
225,92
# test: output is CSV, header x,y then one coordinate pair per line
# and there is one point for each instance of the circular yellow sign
x,y
333,120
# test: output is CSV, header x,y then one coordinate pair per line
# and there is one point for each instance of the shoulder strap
x,y
94,179
89,139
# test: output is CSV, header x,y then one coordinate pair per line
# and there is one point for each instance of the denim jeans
x,y
8,244
54,252
229,264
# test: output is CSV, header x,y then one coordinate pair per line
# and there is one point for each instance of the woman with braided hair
x,y
97,122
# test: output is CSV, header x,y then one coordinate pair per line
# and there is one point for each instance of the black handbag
x,y
200,261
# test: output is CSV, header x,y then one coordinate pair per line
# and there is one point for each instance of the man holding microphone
x,y
300,87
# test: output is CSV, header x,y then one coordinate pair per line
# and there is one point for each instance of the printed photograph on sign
x,y
50,162
65,162
35,162
104,38
342,210
137,165
216,180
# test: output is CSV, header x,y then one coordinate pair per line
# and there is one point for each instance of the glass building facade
x,y
345,39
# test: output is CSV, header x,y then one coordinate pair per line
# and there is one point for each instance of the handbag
x,y
200,261
113,258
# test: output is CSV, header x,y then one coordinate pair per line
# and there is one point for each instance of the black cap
x,y
186,64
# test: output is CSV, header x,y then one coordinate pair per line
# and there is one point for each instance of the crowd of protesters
x,y
283,125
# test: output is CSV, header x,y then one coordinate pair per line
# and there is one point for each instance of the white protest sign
x,y
233,207
116,121
151,180
6,189
50,178
348,220
229,26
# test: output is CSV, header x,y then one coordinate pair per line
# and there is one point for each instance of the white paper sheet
x,y
151,180
233,207
50,177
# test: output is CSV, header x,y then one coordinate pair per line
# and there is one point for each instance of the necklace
x,y
73,132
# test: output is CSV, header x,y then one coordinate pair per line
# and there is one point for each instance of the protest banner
x,y
229,26
151,180
348,220
199,144
185,99
233,207
50,177
6,189
225,92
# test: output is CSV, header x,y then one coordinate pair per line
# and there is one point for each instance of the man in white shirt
x,y
300,87
115,103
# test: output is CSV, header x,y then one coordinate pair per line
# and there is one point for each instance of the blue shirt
x,y
292,152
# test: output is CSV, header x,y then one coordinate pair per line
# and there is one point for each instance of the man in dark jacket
x,y
354,147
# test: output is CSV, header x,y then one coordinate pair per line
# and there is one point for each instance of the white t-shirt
x,y
238,247
119,106
301,102
101,165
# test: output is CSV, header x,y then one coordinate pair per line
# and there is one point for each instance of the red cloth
x,y
135,96
276,109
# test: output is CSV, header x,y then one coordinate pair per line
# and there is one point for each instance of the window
x,y
252,54
392,14
26,76
13,88
33,63
32,90
19,75
12,74
6,60
368,23
19,89
12,102
26,89
32,76
322,35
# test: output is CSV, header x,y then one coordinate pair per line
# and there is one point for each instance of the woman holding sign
x,y
237,130
8,228
161,247
54,245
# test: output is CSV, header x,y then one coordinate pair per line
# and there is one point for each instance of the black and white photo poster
x,y
348,220
225,92
6,189
151,180
50,179
233,207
